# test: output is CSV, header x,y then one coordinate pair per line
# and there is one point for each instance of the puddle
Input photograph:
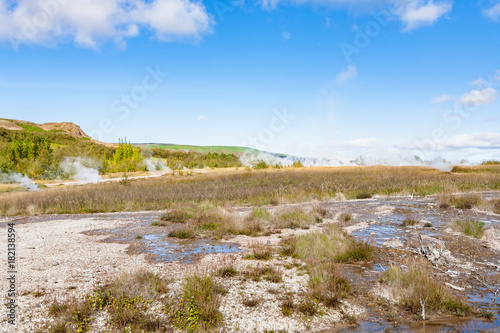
x,y
166,249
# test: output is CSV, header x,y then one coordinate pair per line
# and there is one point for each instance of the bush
x,y
260,164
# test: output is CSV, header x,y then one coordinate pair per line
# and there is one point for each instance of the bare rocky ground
x,y
65,256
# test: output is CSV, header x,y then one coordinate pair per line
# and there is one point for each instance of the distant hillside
x,y
200,149
67,128
238,151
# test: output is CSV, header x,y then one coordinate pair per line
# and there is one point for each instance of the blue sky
x,y
335,79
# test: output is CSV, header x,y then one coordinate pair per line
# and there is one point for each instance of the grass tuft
x,y
470,227
416,287
410,221
197,309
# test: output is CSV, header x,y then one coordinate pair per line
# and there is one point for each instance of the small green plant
x,y
427,225
158,224
364,195
287,305
470,227
125,181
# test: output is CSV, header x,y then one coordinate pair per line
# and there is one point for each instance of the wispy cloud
x,y
487,140
496,76
87,22
286,35
493,12
350,73
418,13
442,99
479,97
478,82
357,143
413,13
202,118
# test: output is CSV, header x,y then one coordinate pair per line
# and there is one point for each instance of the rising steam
x,y
251,159
83,170
155,164
23,180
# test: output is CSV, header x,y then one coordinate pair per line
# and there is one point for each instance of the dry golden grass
x,y
269,186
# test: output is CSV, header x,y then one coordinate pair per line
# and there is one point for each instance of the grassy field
x,y
243,187
202,149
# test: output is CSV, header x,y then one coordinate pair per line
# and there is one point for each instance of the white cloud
x,y
202,118
418,13
286,35
87,22
413,13
357,143
496,76
462,141
493,12
479,97
442,99
350,73
478,82
475,140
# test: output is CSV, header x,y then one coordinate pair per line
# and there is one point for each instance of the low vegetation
x,y
469,227
416,291
197,308
256,188
410,221
466,201
126,300
322,251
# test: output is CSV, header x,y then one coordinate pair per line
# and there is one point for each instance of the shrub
x,y
260,164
